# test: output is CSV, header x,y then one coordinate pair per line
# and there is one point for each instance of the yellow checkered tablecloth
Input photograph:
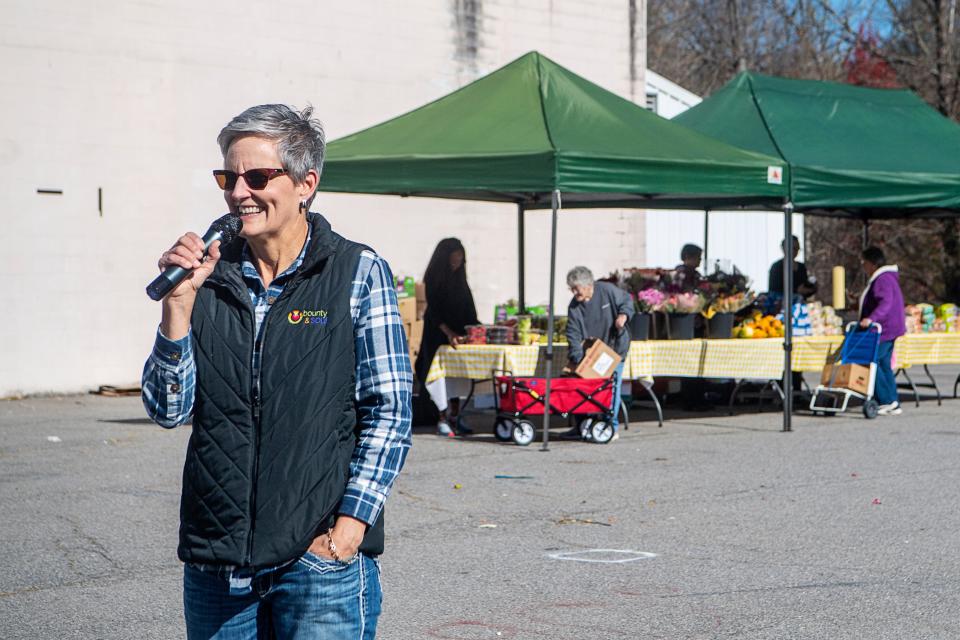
x,y
476,361
914,349
761,358
810,352
927,348
755,358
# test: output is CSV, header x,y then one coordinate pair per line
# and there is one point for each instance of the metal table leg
x,y
933,383
916,394
733,395
656,403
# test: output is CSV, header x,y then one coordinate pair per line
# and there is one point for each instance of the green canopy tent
x,y
852,151
535,134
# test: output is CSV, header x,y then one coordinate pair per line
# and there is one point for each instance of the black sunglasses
x,y
256,179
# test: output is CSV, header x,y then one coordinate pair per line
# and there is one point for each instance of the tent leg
x,y
554,206
787,316
706,241
865,237
522,259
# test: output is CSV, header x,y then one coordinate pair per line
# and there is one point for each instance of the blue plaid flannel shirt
x,y
383,389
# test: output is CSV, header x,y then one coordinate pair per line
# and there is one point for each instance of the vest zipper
x,y
258,350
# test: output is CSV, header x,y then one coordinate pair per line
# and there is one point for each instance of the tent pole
x,y
521,246
865,238
787,316
554,205
706,241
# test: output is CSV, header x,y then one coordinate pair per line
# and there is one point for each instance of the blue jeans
x,y
617,380
312,598
885,389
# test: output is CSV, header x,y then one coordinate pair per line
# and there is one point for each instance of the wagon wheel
x,y
503,429
523,432
601,432
585,425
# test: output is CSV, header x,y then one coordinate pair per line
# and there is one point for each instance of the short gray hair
x,y
579,277
300,139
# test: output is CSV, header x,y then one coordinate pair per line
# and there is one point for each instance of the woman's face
x,y
267,211
456,260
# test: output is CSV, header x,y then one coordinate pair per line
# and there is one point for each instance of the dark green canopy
x,y
532,132
869,153
533,127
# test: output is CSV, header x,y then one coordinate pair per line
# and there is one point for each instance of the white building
x,y
749,240
110,116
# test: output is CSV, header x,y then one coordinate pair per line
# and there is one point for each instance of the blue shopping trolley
x,y
860,346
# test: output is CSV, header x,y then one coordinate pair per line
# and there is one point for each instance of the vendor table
x,y
913,349
454,372
651,358
753,359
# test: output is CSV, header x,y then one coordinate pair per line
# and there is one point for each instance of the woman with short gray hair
x,y
286,349
580,277
598,310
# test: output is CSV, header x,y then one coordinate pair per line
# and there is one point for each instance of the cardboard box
x,y
599,360
415,335
421,291
408,310
854,377
414,331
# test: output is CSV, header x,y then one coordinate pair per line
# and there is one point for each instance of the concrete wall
x,y
118,105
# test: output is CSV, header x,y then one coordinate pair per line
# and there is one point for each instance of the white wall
x,y
129,97
748,239
672,99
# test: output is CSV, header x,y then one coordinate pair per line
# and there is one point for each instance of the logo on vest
x,y
308,317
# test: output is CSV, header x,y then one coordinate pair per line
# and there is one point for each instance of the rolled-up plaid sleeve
x,y
168,381
384,391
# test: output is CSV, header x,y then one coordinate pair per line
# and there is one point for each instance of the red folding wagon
x,y
517,398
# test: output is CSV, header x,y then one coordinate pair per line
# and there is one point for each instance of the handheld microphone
x,y
224,229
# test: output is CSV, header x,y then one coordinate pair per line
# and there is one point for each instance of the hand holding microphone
x,y
184,267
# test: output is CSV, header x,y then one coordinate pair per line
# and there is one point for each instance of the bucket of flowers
x,y
681,308
728,294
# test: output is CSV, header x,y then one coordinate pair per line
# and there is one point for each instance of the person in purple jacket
x,y
882,302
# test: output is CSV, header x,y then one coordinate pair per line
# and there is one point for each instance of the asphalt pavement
x,y
710,527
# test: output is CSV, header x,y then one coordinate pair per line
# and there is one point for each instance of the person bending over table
x,y
882,302
450,308
598,310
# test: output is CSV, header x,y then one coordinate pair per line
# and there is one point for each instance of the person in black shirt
x,y
686,275
450,308
802,283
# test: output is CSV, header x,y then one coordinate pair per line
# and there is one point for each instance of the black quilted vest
x,y
267,464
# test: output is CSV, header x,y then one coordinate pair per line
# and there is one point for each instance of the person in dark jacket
x,y
450,308
598,310
803,284
287,350
882,303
